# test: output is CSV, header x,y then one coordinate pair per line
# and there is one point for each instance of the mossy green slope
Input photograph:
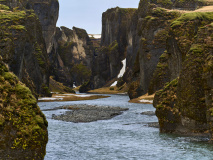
x,y
23,127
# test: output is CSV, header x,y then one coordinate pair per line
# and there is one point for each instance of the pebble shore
x,y
87,113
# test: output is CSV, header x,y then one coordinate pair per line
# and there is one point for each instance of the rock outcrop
x,y
170,51
153,54
23,127
115,24
23,48
32,40
47,12
185,105
75,55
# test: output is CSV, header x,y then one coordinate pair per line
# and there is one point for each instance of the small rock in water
x,y
148,113
154,124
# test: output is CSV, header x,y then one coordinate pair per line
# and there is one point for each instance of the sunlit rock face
x,y
75,54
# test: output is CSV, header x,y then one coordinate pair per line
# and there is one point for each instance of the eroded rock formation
x,y
23,48
23,127
172,51
115,25
75,54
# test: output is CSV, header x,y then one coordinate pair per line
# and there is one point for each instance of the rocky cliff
x,y
75,51
169,51
153,42
32,38
115,25
23,48
47,12
185,105
23,127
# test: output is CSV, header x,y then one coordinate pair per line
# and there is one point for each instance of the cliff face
x,y
115,26
185,105
150,41
147,36
47,12
74,56
23,48
31,43
166,50
23,127
153,31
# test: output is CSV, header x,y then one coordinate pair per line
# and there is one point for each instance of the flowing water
x,y
125,137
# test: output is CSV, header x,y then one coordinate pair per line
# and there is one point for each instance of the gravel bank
x,y
88,113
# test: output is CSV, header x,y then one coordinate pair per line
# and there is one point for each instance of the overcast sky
x,y
87,14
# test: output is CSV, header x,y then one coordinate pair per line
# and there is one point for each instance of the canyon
x,y
167,46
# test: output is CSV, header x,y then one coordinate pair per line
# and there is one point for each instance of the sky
x,y
87,14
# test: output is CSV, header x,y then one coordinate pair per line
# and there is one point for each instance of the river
x,y
125,137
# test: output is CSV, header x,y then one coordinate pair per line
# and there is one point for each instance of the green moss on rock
x,y
166,110
201,16
23,126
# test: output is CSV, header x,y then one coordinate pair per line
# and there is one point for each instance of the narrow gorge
x,y
164,47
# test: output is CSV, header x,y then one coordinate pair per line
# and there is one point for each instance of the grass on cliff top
x,y
12,16
206,16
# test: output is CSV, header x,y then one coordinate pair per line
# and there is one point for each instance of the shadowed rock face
x,y
23,48
23,127
31,47
115,23
47,12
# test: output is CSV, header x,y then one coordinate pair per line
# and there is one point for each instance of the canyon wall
x,y
28,40
168,51
23,127
23,48
185,104
75,53
115,24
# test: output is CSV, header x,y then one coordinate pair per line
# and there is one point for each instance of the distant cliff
x,y
73,58
107,60
168,51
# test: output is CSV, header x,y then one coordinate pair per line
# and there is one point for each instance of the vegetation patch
x,y
202,16
21,116
59,87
